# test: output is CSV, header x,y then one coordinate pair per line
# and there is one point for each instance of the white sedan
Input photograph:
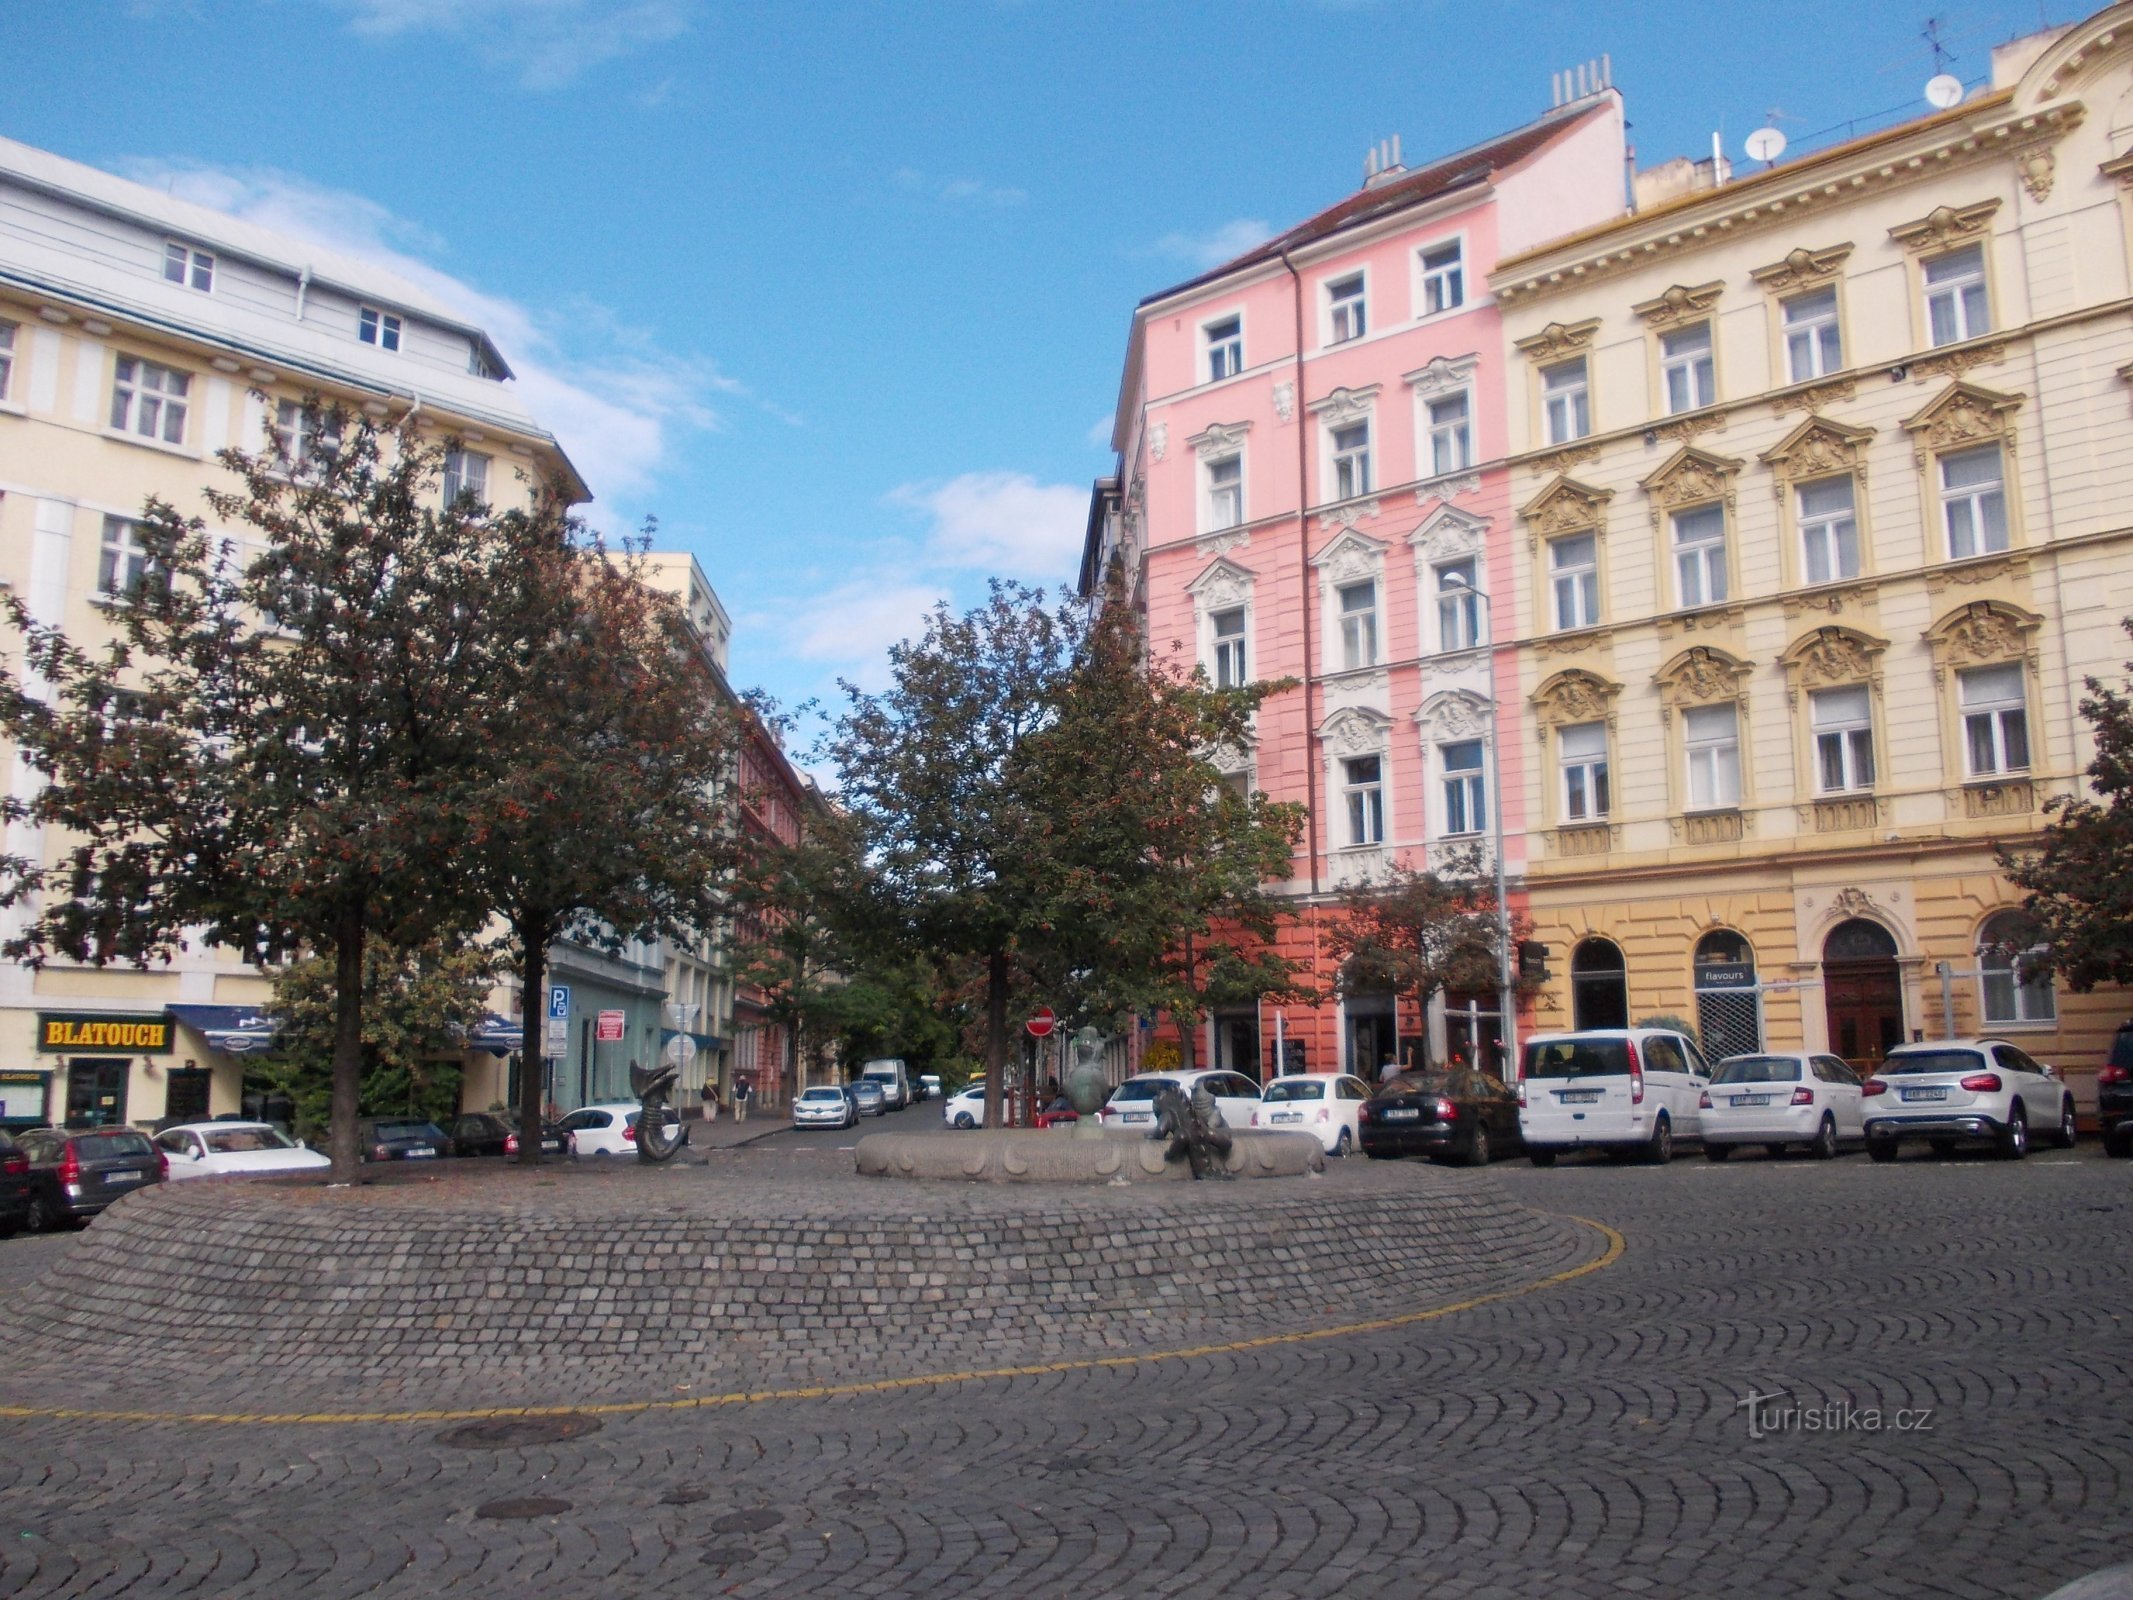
x,y
1324,1103
226,1149
1781,1099
966,1107
1132,1103
608,1130
825,1105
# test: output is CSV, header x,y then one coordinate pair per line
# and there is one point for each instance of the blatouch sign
x,y
115,1032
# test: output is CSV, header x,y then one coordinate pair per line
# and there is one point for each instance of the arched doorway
x,y
1729,1005
1599,986
1863,992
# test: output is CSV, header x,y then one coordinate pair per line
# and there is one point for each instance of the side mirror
x,y
2050,1071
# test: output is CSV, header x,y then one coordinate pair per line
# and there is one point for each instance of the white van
x,y
894,1080
1620,1089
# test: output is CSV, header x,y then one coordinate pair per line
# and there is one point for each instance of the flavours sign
x,y
112,1031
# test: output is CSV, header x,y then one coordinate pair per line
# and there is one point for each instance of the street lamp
x,y
1506,1004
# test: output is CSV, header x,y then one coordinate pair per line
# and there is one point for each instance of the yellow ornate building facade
x,y
1823,476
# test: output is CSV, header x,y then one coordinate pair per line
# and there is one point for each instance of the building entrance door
x,y
1863,991
1371,1039
188,1097
96,1091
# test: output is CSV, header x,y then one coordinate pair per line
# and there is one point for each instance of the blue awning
x,y
499,1036
232,1030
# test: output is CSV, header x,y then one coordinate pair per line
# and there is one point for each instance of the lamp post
x,y
1506,1000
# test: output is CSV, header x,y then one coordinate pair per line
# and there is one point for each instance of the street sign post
x,y
608,1029
1042,1023
559,1003
558,1037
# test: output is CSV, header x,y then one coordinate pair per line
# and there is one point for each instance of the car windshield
x,y
1144,1088
112,1146
822,1094
1932,1061
1295,1089
405,1130
235,1141
1758,1069
1577,1058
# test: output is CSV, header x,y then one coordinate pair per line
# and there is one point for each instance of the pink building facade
x,y
1311,487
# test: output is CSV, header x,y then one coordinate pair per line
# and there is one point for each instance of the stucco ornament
x,y
1574,695
1222,586
1448,532
1159,441
1984,636
1353,731
1702,674
1817,448
1834,655
1443,375
1454,714
1285,401
1692,477
2036,165
1345,406
1219,440
1679,304
1559,339
1801,269
1350,558
1566,506
1944,226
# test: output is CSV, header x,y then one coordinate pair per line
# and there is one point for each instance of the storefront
x,y
25,1097
109,1058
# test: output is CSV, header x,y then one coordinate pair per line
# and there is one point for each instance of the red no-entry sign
x,y
1042,1022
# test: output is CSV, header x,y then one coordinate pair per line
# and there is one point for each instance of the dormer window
x,y
189,268
380,328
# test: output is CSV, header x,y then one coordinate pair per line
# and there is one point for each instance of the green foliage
x,y
1421,933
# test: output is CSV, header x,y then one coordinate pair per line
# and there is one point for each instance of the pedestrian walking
x,y
709,1095
740,1101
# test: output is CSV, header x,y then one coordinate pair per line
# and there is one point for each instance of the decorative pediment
x,y
1219,440
1452,714
1700,675
1961,414
1945,227
1448,531
1802,269
1574,695
1817,448
1692,477
1981,633
1345,406
1221,585
1829,656
1443,375
1349,556
1355,731
1680,304
1559,339
1566,506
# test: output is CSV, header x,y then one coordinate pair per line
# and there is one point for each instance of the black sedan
x,y
1467,1117
76,1172
2114,1095
401,1139
484,1133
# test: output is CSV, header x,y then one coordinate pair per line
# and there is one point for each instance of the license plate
x,y
1925,1094
122,1177
1135,1116
1288,1116
1403,1114
1751,1099
423,1154
1578,1097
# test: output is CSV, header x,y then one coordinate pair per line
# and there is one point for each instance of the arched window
x,y
1729,1003
1599,987
2009,986
1859,940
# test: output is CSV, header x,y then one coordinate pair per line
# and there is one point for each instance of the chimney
x,y
1583,81
1382,163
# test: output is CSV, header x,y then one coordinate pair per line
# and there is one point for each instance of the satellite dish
x,y
1944,90
1766,144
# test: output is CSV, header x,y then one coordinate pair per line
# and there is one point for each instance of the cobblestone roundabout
x,y
1579,1436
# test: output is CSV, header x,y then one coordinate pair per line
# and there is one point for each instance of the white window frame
x,y
1566,408
301,430
1348,465
1445,282
144,391
1998,722
1584,790
2005,998
1228,655
1229,349
459,480
1451,434
122,565
1221,503
1363,801
1958,303
1814,345
1359,641
1712,758
8,330
188,267
1347,307
1460,621
1979,505
1843,739
379,327
1827,537
1700,574
1465,789
1579,584
1688,373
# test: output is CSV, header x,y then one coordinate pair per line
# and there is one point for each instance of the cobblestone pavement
x,y
1586,1439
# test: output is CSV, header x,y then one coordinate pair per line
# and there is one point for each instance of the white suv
x,y
1625,1090
1963,1091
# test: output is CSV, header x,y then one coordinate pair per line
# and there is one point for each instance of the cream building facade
x,y
138,336
1822,479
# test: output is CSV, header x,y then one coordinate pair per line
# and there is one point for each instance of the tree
x,y
2079,873
271,751
789,941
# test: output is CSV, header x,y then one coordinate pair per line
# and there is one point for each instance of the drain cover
x,y
727,1555
504,1433
685,1495
748,1521
519,1510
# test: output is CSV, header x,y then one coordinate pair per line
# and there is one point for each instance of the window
x,y
1465,793
1700,555
1829,531
1567,401
1712,737
1685,368
1363,786
2013,991
1228,629
123,567
1844,740
1359,624
1973,502
188,267
1225,348
1443,279
1574,568
1239,783
1813,346
465,472
1955,296
1995,720
1344,306
1351,461
302,431
1458,605
1451,440
149,399
380,328
1581,750
7,357
1225,493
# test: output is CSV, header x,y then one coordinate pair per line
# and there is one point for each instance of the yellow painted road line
x,y
1616,1244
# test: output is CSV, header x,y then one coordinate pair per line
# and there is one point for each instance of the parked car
x,y
227,1149
401,1139
929,1086
966,1107
895,1082
1965,1091
610,1129
1132,1103
2114,1094
76,1172
14,1185
486,1133
1324,1103
1461,1115
1779,1100
867,1098
825,1103
1628,1091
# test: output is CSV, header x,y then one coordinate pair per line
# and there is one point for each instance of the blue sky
x,y
839,291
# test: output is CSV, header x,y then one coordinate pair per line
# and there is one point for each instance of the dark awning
x,y
232,1030
499,1036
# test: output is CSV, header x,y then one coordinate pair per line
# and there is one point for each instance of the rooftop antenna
x,y
1944,89
1942,55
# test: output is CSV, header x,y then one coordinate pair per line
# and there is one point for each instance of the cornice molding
x,y
1680,304
1802,268
1944,227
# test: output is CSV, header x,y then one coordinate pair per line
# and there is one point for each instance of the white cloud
x,y
1217,245
547,43
850,628
958,191
1001,521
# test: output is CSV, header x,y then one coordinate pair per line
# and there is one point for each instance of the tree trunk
x,y
995,1036
1188,1023
347,1044
533,1040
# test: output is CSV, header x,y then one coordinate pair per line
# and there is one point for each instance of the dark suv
x,y
76,1172
2114,1094
485,1133
14,1185
401,1139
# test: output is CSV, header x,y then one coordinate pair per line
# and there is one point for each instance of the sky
x,y
838,292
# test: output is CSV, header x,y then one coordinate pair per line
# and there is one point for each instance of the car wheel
x,y
1541,1158
2014,1138
1344,1146
1477,1148
1824,1147
2067,1133
1661,1149
963,1119
1881,1149
42,1218
2118,1145
1716,1152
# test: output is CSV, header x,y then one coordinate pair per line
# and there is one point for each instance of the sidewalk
x,y
727,1134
